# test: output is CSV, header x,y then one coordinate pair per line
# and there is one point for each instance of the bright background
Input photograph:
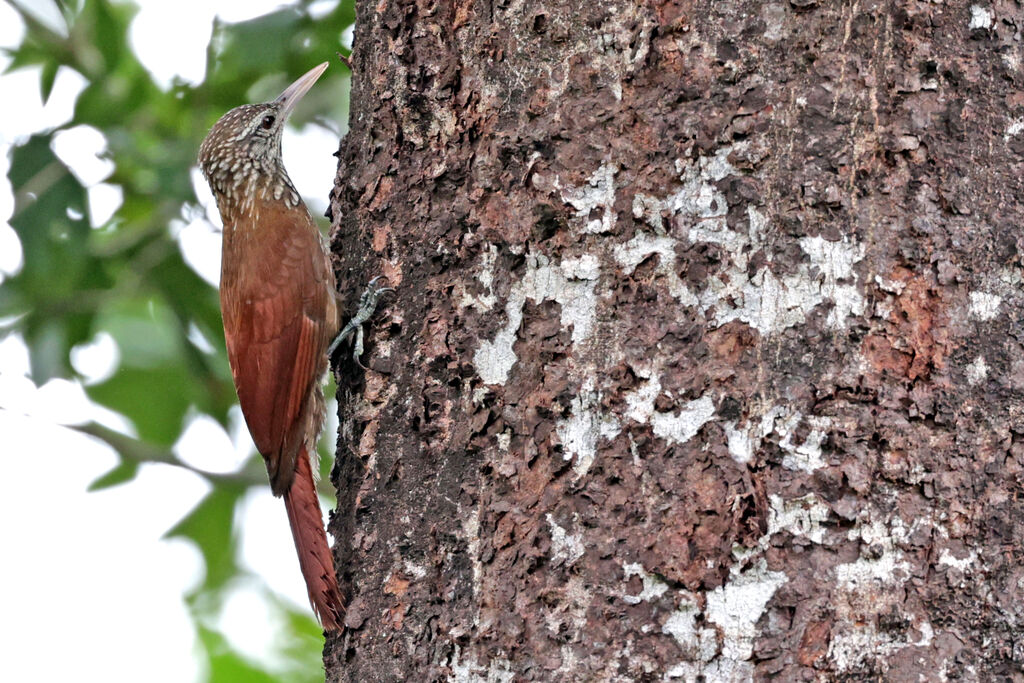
x,y
129,581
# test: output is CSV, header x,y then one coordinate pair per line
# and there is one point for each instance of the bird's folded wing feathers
x,y
276,336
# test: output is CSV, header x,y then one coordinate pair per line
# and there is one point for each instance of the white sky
x,y
90,592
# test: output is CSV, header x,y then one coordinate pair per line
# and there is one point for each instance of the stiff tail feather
x,y
315,557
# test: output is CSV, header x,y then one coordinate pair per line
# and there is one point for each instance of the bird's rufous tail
x,y
315,557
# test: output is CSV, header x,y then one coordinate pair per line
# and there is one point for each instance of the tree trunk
x,y
705,356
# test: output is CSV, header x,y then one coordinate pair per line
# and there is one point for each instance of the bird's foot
x,y
347,61
367,306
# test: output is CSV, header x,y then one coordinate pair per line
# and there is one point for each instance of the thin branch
x,y
142,452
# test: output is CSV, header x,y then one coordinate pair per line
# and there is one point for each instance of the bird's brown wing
x,y
274,299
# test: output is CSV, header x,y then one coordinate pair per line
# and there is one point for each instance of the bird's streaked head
x,y
242,152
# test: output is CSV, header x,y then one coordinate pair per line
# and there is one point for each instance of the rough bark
x,y
706,356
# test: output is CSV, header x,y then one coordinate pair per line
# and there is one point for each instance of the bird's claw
x,y
367,307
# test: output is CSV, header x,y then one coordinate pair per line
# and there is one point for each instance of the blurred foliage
x,y
128,278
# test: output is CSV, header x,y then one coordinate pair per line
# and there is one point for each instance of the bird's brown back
x,y
279,317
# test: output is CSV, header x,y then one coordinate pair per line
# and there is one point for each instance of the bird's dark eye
x,y
268,122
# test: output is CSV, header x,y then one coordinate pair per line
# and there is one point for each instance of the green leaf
x,y
226,665
155,399
211,527
49,219
46,80
259,45
123,472
108,23
301,645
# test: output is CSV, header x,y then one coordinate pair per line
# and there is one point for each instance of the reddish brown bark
x,y
705,359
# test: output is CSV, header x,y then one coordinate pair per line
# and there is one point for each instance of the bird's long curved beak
x,y
294,92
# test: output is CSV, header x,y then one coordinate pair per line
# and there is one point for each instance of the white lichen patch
x,y
566,548
579,432
568,615
927,633
698,202
485,275
494,359
414,570
681,624
471,534
763,301
498,670
597,193
736,607
977,371
649,209
633,252
609,427
775,18
586,425
743,442
504,440
948,559
586,267
981,17
770,304
984,306
849,648
724,653
678,427
879,567
741,445
835,261
653,587
892,286
869,586
805,456
1016,127
640,401
799,516
682,426
767,302
542,281
570,664
697,644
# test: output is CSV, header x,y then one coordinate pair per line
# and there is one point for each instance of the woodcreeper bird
x,y
277,297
